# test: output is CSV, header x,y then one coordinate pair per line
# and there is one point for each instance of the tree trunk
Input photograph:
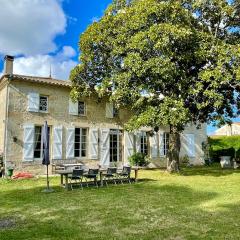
x,y
174,150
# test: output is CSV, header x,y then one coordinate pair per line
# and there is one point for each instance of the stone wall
x,y
58,114
200,136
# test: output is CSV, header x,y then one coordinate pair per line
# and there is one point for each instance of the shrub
x,y
138,159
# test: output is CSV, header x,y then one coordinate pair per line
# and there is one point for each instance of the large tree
x,y
172,62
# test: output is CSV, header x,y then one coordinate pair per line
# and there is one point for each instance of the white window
x,y
38,147
81,108
80,143
43,103
144,143
165,143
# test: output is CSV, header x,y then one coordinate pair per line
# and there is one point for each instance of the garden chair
x,y
110,174
92,174
125,174
77,176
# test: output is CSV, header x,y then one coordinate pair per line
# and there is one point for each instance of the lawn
x,y
199,203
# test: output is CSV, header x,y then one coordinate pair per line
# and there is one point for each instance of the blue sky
x,y
44,33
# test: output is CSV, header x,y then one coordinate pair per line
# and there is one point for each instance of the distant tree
x,y
172,62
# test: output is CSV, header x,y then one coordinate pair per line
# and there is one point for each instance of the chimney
x,y
8,65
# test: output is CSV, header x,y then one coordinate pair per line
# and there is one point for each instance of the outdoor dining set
x,y
77,175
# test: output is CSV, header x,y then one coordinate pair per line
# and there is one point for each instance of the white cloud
x,y
29,27
39,65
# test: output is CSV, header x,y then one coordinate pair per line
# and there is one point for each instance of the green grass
x,y
199,203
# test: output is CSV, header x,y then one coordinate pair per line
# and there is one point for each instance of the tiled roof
x,y
46,80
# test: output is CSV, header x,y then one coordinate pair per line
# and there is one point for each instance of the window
x,y
80,146
165,143
144,143
115,145
81,108
43,103
115,112
38,147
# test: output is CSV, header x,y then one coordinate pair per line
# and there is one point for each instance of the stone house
x,y
228,130
88,131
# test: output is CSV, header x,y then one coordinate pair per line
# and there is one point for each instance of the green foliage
x,y
224,146
138,159
171,62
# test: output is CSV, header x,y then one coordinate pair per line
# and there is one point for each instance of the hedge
x,y
224,146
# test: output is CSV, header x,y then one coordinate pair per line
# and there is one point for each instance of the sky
x,y
44,33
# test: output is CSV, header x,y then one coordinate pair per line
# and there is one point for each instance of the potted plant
x,y
10,169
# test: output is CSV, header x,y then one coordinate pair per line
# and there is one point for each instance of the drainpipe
x,y
6,127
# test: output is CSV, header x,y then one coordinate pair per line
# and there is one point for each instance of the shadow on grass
x,y
74,213
214,170
148,210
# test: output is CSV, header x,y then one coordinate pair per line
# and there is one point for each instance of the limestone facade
x,y
18,120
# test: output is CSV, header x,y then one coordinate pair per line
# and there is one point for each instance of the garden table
x,y
65,174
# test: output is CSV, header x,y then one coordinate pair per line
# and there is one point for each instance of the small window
x,y
80,149
43,103
81,108
115,112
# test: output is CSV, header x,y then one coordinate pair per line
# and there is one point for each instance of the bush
x,y
138,159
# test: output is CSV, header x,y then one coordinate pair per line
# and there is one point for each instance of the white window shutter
x,y
33,102
161,144
28,142
105,148
70,143
73,107
154,145
190,144
138,141
57,142
128,146
93,136
109,110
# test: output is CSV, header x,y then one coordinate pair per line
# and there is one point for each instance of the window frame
x,y
144,145
80,149
119,134
84,103
165,143
41,142
44,96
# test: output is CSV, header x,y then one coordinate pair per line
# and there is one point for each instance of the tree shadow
x,y
134,206
214,171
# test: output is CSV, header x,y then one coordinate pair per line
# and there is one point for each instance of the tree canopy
x,y
172,62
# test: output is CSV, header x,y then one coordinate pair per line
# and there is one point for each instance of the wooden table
x,y
66,173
